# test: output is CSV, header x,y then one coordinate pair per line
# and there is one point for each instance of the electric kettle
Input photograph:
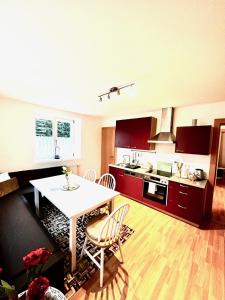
x,y
199,174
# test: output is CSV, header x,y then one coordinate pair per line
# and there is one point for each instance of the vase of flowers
x,y
66,170
34,263
38,285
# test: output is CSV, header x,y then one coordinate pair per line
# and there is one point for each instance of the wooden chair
x,y
103,231
90,174
108,181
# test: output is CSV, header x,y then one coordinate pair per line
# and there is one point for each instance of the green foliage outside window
x,y
43,127
63,129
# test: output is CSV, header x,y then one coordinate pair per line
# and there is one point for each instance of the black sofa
x,y
21,231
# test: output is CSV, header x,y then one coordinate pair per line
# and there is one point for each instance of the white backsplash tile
x,y
166,153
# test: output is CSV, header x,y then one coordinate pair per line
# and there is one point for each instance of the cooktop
x,y
160,173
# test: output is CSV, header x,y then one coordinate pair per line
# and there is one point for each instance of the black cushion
x,y
20,232
24,177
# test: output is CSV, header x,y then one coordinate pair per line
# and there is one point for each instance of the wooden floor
x,y
165,259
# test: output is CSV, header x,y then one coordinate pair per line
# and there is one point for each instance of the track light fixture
x,y
114,89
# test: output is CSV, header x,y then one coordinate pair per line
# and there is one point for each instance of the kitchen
x,y
172,175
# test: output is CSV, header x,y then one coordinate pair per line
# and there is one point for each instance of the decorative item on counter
x,y
184,171
179,168
192,176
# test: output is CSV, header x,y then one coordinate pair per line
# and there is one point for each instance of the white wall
x,y
17,137
205,113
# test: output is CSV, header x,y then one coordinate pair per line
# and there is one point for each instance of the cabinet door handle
x,y
185,186
134,147
183,193
121,175
183,207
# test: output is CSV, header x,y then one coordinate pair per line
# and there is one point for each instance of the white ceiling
x,y
65,53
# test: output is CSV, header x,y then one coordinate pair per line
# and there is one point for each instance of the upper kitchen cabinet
x,y
134,133
193,139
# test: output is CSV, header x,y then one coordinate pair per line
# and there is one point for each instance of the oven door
x,y
155,191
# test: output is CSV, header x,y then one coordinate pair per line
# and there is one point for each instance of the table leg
x,y
72,241
36,201
111,205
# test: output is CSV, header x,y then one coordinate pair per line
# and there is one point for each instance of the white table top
x,y
77,202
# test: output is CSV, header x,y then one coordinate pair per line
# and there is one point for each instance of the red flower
x,y
45,254
35,257
37,288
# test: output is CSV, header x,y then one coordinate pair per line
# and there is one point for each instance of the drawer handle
x,y
183,193
183,207
185,186
120,175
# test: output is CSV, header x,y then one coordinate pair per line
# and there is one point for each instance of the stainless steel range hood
x,y
165,136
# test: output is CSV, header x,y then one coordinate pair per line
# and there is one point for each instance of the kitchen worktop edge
x,y
200,184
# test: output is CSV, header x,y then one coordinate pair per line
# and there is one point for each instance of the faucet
x,y
134,157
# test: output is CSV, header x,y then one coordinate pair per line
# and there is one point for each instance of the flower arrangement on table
x,y
68,187
66,170
33,262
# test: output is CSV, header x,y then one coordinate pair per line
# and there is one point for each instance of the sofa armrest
x,y
8,186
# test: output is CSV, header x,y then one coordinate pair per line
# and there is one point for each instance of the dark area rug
x,y
57,225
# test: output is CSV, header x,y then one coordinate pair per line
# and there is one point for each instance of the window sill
x,y
52,160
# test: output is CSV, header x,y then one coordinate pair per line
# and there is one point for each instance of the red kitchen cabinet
x,y
119,177
193,139
133,187
128,185
186,202
134,133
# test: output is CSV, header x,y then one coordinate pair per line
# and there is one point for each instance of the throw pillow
x,y
4,176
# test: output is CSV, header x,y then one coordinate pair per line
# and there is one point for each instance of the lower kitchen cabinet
x,y
119,177
127,184
186,202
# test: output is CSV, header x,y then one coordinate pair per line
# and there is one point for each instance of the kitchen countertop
x,y
143,171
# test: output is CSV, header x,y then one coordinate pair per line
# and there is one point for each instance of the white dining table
x,y
73,204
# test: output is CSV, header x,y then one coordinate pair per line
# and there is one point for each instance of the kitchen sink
x,y
132,166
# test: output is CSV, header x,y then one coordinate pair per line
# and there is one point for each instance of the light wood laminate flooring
x,y
165,258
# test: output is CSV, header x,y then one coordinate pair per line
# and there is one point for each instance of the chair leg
x,y
119,243
102,267
82,251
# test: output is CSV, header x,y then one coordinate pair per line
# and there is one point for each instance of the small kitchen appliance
x,y
199,174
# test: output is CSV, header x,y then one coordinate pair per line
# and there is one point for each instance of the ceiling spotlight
x,y
114,89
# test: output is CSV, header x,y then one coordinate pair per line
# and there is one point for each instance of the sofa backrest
x,y
24,177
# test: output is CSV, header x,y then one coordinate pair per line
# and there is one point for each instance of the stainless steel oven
x,y
155,189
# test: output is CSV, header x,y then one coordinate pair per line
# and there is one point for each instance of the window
x,y
57,138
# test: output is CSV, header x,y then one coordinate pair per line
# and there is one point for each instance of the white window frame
x,y
76,135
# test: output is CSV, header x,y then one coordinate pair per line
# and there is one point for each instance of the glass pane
x,y
44,147
43,127
63,129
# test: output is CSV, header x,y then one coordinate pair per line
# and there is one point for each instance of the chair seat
x,y
93,230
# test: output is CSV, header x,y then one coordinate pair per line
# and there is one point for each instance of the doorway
x,y
108,148
215,207
220,173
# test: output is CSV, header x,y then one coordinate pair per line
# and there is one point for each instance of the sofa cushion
x,y
21,231
8,186
24,177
